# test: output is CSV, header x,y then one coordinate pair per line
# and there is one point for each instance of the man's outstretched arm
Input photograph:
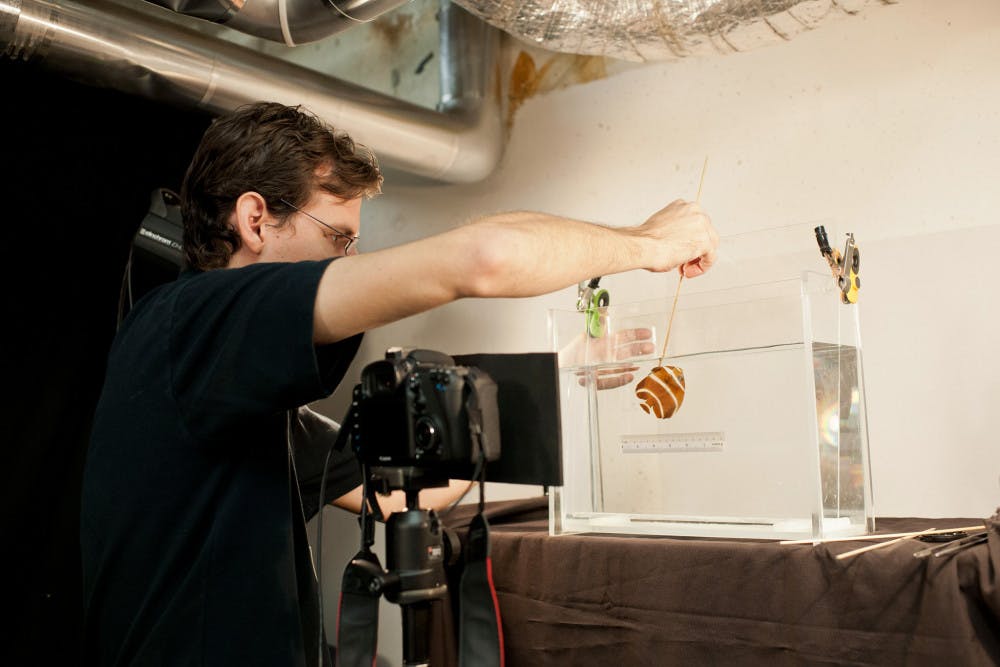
x,y
508,255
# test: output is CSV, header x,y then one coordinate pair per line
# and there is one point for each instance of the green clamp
x,y
600,298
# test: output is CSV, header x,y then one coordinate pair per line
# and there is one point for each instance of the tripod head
x,y
418,548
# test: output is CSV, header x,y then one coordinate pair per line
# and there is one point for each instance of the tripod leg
x,y
416,630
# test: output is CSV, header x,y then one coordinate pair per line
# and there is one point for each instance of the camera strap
x,y
484,425
480,640
360,591
357,621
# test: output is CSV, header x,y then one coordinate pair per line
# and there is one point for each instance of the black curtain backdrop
x,y
77,167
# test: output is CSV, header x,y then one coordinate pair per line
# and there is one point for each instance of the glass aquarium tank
x,y
770,437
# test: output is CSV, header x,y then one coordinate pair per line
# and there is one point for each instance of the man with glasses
x,y
346,241
193,526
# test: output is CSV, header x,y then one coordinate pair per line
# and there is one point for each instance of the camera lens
x,y
424,433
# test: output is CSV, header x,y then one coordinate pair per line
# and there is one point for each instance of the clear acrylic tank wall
x,y
770,440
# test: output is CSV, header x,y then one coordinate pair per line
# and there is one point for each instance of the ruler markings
x,y
656,443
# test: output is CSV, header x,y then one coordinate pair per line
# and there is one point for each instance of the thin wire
x,y
472,482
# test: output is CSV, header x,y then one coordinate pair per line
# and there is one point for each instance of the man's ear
x,y
250,215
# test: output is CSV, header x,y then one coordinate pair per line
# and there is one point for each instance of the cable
x,y
334,4
126,287
482,482
477,472
319,550
454,504
318,567
286,34
363,519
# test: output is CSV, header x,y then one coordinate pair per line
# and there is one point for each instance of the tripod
x,y
416,554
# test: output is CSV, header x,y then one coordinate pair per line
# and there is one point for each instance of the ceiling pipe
x,y
466,70
104,44
292,22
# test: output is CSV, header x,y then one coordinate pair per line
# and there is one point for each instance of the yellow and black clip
x,y
591,299
845,266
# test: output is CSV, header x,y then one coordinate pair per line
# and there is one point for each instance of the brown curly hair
x,y
272,149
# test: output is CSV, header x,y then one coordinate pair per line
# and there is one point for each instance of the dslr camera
x,y
422,410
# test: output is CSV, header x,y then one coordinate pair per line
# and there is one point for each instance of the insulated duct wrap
x,y
641,30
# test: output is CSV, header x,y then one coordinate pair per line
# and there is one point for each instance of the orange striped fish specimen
x,y
661,392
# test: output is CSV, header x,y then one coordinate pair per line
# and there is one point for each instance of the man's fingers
x,y
610,381
614,382
691,269
708,260
633,343
623,368
608,378
634,350
630,335
696,267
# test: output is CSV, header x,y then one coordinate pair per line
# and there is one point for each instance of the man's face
x,y
322,228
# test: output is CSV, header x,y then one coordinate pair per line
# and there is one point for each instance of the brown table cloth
x,y
599,600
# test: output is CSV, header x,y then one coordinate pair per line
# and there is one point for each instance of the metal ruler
x,y
663,443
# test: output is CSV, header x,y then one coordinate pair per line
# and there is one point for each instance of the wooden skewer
x,y
670,323
872,547
701,181
673,309
858,538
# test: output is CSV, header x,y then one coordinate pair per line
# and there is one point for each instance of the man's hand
x,y
685,239
619,346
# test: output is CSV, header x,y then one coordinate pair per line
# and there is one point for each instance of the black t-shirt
x,y
192,531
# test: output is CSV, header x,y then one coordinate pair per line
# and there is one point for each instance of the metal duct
x,y
290,21
641,30
109,45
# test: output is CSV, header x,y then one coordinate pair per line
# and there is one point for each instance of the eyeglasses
x,y
351,240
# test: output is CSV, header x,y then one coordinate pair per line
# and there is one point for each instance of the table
x,y
613,600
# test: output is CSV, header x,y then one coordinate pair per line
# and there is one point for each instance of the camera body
x,y
420,409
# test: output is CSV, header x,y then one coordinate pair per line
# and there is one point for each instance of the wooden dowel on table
x,y
872,547
857,538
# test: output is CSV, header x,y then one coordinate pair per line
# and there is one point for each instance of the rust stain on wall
x,y
558,71
393,27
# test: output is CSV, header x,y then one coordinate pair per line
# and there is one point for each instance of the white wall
x,y
887,124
